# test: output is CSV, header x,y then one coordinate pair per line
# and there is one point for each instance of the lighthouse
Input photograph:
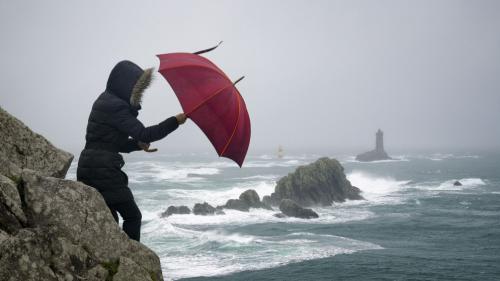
x,y
379,140
378,153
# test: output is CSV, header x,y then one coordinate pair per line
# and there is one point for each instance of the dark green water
x,y
436,232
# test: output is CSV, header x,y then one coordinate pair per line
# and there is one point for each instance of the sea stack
x,y
378,153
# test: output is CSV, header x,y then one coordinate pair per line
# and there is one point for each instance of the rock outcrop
x,y
248,199
237,204
457,183
378,153
291,209
320,183
179,210
203,209
22,148
56,229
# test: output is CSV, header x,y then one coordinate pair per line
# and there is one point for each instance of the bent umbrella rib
x,y
207,99
235,126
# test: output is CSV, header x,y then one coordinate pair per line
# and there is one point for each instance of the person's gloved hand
x,y
181,118
145,146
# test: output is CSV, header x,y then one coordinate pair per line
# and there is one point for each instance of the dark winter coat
x,y
113,128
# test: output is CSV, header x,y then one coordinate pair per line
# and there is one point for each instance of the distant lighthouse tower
x,y
378,153
379,140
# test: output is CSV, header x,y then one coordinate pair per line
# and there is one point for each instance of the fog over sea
x,y
414,224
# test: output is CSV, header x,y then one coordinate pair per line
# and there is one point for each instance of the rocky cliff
x,y
320,183
56,229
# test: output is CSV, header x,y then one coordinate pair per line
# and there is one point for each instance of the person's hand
x,y
181,118
145,146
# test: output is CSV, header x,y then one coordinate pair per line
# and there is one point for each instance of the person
x,y
113,128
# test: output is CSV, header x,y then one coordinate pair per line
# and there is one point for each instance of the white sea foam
x,y
71,174
217,196
276,163
446,156
260,177
467,183
377,189
147,171
189,253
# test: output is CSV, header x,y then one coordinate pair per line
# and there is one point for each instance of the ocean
x,y
414,224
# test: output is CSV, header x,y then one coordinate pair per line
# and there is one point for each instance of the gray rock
x,y
320,183
203,209
55,229
250,197
73,225
219,210
21,148
237,204
373,155
267,200
457,183
280,215
290,208
128,270
171,210
12,216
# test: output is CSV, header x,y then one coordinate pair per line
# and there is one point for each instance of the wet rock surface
x,y
291,209
203,209
319,183
172,210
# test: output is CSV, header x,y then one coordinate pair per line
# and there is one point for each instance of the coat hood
x,y
128,82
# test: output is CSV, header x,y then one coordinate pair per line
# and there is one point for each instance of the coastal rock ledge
x,y
56,229
319,183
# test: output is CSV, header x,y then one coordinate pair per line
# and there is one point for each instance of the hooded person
x,y
113,128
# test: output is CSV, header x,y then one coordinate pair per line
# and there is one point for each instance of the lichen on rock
x,y
56,229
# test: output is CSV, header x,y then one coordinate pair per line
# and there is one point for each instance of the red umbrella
x,y
211,100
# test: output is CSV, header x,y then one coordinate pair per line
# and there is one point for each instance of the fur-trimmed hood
x,y
128,82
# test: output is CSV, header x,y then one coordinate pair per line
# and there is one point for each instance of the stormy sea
x,y
415,224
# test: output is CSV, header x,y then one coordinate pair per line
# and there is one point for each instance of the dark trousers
x,y
131,218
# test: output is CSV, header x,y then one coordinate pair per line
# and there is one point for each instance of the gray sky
x,y
319,74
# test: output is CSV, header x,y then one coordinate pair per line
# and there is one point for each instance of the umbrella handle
x,y
207,50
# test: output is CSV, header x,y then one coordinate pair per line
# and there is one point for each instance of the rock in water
x,y
21,148
55,229
322,182
267,200
279,215
457,183
378,153
292,209
237,204
203,209
248,199
251,198
181,210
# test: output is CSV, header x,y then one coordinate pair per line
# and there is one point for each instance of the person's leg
x,y
131,218
113,212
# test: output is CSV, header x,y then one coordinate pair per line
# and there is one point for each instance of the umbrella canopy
x,y
211,100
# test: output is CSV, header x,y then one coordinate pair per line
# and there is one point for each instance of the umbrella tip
x,y
208,50
241,78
